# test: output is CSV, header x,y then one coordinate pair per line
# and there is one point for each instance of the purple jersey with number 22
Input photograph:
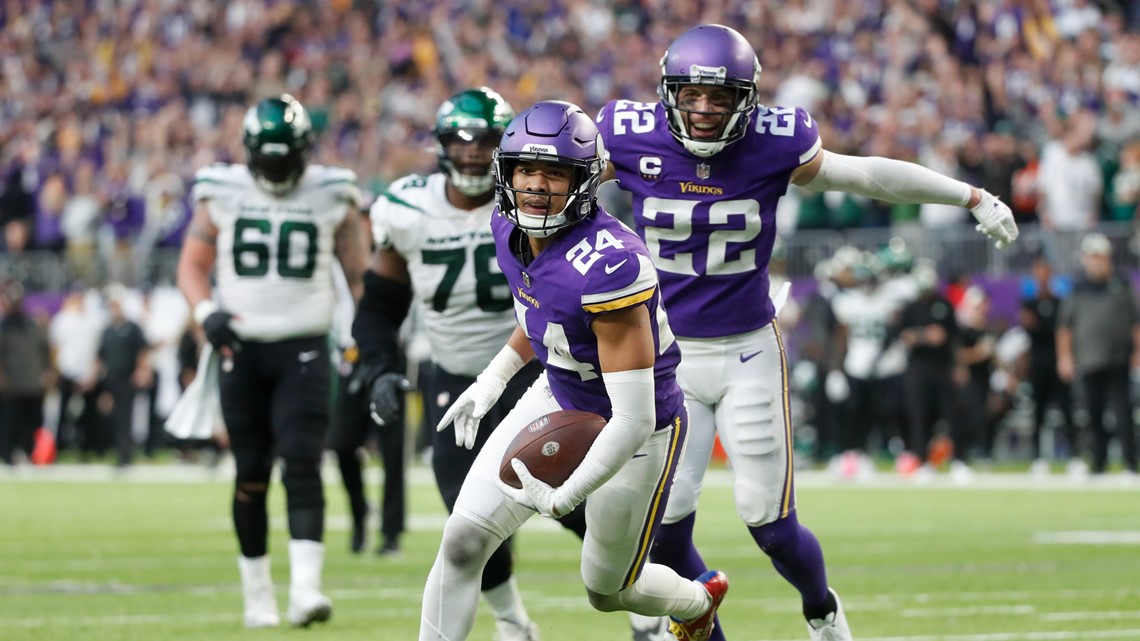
x,y
709,223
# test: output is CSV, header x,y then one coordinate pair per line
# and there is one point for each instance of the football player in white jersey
x,y
271,227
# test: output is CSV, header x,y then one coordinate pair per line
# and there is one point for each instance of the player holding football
x,y
272,226
706,166
434,248
586,300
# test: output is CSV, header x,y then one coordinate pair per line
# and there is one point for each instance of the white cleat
x,y
961,473
833,627
510,631
306,608
1077,469
257,593
1039,468
925,474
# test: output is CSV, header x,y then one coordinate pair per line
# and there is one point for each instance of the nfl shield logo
x,y
703,170
526,279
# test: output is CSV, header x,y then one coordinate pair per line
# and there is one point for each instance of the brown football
x,y
552,446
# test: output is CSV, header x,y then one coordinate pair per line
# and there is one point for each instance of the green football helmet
x,y
477,115
896,257
278,138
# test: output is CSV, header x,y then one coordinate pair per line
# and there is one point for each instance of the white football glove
x,y
536,494
995,220
470,408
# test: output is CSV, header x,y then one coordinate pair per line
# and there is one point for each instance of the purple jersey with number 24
x,y
709,223
592,268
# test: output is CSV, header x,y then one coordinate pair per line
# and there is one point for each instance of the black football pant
x,y
929,392
22,414
351,426
1049,388
1110,389
275,402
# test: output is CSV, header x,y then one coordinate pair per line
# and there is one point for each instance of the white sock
x,y
659,590
506,603
306,564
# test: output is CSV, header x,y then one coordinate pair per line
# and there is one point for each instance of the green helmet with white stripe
x,y
476,116
278,137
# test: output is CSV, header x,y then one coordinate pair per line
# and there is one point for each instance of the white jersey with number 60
x,y
464,297
274,264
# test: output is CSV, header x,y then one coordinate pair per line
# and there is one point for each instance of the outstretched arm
x,y
886,179
897,181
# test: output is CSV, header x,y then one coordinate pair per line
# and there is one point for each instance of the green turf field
x,y
1006,559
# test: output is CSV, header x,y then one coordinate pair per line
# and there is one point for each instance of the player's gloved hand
x,y
470,408
219,331
536,494
995,220
386,397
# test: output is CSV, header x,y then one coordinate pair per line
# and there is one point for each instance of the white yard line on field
x,y
56,621
420,475
1088,537
1079,635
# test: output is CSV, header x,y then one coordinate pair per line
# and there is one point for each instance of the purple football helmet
x,y
709,54
558,132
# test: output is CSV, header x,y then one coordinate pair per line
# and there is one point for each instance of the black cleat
x,y
389,546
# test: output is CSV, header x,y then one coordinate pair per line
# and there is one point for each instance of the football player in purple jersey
x,y
588,307
706,166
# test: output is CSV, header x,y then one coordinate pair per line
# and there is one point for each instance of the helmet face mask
x,y
553,132
467,128
278,138
709,55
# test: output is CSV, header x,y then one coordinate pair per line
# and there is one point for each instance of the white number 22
x,y
720,213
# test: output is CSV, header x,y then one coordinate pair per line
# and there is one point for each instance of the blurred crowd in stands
x,y
890,360
109,107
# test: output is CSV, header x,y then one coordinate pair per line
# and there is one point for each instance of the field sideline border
x,y
419,475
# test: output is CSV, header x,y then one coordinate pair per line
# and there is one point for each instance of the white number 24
x,y
584,255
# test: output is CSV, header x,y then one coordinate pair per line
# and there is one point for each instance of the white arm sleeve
x,y
504,366
886,179
632,398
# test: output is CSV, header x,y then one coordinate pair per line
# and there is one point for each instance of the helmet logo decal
x,y
701,73
539,149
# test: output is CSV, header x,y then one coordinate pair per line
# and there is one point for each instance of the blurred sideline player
x,y
272,227
706,166
350,430
587,305
434,246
